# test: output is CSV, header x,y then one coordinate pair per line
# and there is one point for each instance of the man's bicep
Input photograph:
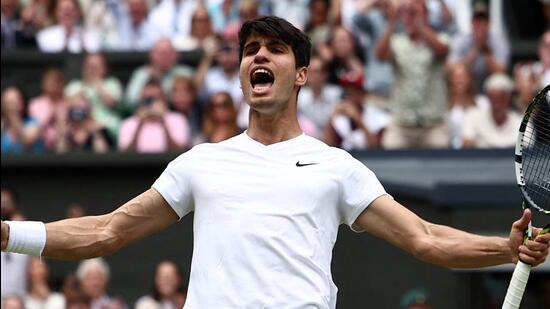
x,y
387,219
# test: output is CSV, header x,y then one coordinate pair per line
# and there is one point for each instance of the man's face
x,y
544,49
268,74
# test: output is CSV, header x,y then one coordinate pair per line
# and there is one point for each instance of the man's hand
x,y
4,234
535,251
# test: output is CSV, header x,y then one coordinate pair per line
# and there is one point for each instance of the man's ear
x,y
301,77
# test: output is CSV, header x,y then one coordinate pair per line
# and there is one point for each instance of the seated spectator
x,y
462,98
172,18
104,92
342,53
154,128
496,126
40,13
167,289
419,93
223,13
40,295
530,77
219,119
183,99
355,123
14,266
74,296
81,131
201,34
317,99
20,134
318,26
93,276
133,30
163,66
295,11
485,52
13,302
67,34
221,77
18,30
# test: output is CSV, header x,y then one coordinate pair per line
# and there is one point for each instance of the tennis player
x,y
267,203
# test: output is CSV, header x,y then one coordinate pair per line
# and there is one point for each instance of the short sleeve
x,y
174,184
360,187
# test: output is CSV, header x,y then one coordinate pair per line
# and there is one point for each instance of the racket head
x,y
533,153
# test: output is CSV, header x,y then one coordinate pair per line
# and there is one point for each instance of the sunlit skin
x,y
273,108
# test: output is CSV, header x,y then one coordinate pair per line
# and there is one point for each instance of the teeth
x,y
262,71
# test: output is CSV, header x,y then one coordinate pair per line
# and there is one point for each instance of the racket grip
x,y
517,286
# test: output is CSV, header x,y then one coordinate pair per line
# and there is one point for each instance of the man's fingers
x,y
532,256
523,222
544,238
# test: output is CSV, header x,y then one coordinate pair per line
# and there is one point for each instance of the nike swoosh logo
x,y
298,164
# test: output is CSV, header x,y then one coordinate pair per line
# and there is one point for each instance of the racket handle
x,y
517,286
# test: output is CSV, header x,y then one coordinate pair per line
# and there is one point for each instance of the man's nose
x,y
262,55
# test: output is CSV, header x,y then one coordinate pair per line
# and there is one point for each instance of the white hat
x,y
499,82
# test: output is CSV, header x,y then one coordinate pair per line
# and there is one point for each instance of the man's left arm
x,y
446,246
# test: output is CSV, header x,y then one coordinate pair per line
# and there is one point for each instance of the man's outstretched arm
x,y
91,236
446,246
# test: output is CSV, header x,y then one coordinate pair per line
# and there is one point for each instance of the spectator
x,y
17,31
133,30
318,26
223,13
219,119
20,134
462,98
371,23
154,128
497,126
419,94
14,266
93,276
485,52
82,132
342,53
355,123
52,102
295,11
317,99
530,77
201,34
416,299
222,77
102,91
67,34
75,210
13,302
163,59
74,297
183,99
40,13
172,18
40,295
166,292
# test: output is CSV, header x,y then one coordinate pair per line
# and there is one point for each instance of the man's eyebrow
x,y
269,42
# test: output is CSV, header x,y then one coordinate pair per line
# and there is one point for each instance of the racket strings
x,y
536,155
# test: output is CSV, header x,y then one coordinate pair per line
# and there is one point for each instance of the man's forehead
x,y
263,39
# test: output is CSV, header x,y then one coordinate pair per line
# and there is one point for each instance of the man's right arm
x,y
92,236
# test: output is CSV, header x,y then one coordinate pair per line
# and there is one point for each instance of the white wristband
x,y
27,237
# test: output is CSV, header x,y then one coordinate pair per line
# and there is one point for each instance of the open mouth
x,y
261,79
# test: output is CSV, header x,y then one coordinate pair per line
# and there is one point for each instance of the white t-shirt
x,y
264,227
480,127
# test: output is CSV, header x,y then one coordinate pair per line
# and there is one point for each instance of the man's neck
x,y
273,128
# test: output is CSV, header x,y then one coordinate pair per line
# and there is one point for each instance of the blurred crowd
x,y
385,74
27,284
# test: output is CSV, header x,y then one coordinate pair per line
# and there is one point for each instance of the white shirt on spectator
x,y
13,274
172,18
54,39
480,128
318,109
216,80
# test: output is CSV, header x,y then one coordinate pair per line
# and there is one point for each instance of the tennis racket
x,y
533,178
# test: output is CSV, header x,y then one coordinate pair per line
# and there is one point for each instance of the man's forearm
x,y
453,248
